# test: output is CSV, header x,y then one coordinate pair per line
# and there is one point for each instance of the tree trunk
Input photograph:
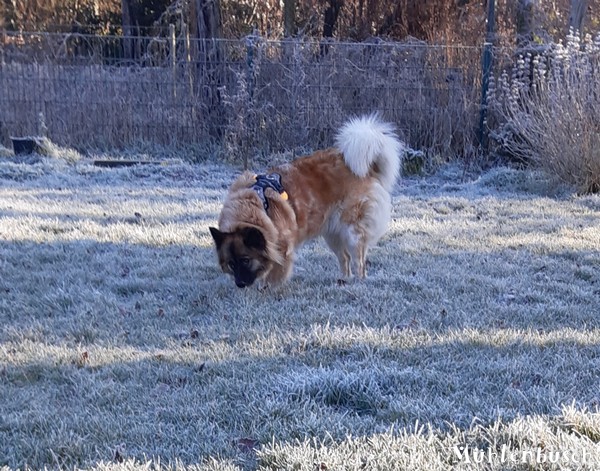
x,y
390,20
525,22
209,19
289,17
331,17
577,14
210,67
208,29
126,22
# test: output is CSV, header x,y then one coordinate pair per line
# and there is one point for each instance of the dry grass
x,y
123,347
548,111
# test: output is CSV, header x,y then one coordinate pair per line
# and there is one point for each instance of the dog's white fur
x,y
369,147
367,140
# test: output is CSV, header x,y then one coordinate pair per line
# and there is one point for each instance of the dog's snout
x,y
241,284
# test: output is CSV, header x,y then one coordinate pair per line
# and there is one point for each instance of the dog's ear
x,y
254,238
217,236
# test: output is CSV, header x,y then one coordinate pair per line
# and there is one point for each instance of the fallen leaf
x,y
119,454
247,445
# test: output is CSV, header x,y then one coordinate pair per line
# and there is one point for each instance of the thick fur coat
x,y
341,193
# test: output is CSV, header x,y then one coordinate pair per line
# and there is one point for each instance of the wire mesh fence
x,y
249,95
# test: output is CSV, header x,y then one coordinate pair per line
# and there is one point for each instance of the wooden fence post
x,y
487,62
188,59
127,33
173,58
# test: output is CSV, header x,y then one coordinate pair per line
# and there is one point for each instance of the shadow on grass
x,y
116,350
72,408
111,351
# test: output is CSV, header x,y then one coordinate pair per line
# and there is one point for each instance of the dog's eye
x,y
245,261
231,265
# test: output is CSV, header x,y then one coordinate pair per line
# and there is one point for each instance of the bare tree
x,y
289,17
208,18
205,23
126,22
206,28
331,16
577,14
525,24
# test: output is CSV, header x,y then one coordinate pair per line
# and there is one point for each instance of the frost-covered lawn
x,y
476,336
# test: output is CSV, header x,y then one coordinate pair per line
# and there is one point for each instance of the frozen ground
x,y
473,344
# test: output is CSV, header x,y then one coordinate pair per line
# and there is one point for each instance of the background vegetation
x,y
436,21
547,110
226,73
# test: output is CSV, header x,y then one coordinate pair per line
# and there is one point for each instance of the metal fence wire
x,y
250,94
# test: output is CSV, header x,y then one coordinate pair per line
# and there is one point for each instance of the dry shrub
x,y
296,93
548,111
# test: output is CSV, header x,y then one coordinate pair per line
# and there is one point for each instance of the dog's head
x,y
242,253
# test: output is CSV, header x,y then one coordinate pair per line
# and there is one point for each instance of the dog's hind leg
x,y
367,229
342,253
361,257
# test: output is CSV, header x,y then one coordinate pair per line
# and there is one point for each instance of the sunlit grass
x,y
121,343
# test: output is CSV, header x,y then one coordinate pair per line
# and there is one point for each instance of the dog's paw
x,y
262,286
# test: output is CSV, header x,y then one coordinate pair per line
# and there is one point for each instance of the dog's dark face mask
x,y
242,254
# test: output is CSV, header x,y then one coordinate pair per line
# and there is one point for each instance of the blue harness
x,y
264,181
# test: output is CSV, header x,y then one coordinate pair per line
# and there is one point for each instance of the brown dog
x,y
342,194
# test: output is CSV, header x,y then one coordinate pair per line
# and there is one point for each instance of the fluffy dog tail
x,y
371,147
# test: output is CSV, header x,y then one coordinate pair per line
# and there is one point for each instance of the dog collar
x,y
264,181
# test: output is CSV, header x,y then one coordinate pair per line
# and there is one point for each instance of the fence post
x,y
250,64
173,58
188,58
249,123
487,62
